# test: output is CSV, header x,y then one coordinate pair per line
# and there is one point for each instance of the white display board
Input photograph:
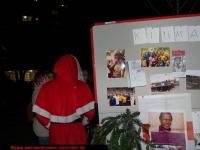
x,y
178,37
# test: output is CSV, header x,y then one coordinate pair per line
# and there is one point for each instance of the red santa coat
x,y
62,101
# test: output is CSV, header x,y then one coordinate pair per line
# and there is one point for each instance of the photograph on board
x,y
121,96
193,79
155,57
164,84
197,140
115,61
196,128
178,63
169,121
167,128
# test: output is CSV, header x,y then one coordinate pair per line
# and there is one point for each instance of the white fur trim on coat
x,y
64,119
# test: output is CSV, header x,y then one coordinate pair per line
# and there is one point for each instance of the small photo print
x,y
178,61
121,96
115,61
193,79
166,121
155,57
164,84
196,129
197,140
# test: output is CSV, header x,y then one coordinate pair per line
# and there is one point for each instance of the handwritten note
x,y
136,73
158,103
139,36
181,33
194,33
152,35
167,34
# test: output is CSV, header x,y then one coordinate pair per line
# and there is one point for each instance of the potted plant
x,y
125,132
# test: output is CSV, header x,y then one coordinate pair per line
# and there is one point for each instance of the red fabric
x,y
65,97
71,133
67,69
62,99
146,134
162,129
43,120
89,115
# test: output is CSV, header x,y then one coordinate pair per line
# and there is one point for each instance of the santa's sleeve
x,y
88,116
89,101
44,121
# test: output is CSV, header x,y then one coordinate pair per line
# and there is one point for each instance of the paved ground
x,y
14,128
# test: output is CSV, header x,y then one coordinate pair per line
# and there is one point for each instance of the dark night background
x,y
39,44
63,26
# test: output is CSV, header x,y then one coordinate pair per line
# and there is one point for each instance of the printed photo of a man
x,y
165,121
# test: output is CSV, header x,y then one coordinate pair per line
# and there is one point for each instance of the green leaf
x,y
125,132
139,130
107,118
97,129
147,147
152,145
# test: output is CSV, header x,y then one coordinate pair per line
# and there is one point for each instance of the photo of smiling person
x,y
179,63
115,61
155,57
121,96
168,121
165,121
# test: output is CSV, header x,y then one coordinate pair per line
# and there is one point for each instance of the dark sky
x,y
33,45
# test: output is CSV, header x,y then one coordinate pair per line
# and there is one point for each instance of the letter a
x,y
194,31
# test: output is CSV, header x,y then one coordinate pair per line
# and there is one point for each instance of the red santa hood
x,y
65,98
68,69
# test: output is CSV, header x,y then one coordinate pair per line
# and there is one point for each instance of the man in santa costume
x,y
65,104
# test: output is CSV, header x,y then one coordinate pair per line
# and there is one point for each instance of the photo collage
x,y
118,67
